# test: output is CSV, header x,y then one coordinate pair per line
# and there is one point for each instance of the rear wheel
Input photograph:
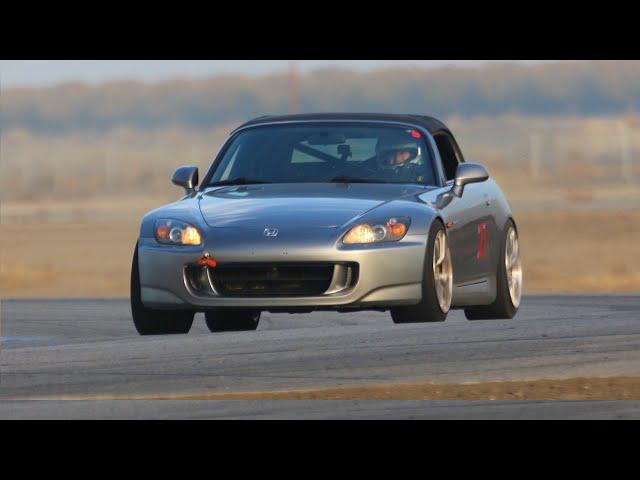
x,y
149,321
231,320
508,281
437,282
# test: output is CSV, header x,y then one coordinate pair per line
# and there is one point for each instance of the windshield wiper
x,y
345,179
237,181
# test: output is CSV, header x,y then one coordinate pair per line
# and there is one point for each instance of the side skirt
x,y
480,292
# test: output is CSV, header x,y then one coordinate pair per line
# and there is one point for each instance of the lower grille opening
x,y
265,280
274,279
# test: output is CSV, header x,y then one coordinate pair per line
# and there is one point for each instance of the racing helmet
x,y
397,150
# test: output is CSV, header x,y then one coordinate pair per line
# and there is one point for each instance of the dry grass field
x,y
564,250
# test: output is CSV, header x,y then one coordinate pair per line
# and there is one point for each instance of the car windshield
x,y
325,153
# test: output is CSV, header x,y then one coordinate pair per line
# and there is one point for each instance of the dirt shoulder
x,y
584,388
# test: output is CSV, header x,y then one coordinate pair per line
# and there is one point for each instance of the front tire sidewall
x,y
428,310
148,321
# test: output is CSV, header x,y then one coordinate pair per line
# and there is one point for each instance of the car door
x,y
469,221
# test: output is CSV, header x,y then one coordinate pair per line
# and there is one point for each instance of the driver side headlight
x,y
174,232
388,230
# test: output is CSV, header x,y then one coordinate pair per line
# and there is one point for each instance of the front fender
x,y
185,210
421,214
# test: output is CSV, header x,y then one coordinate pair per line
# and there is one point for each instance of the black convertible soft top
x,y
432,125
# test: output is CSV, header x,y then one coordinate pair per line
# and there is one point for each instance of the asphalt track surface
x,y
59,357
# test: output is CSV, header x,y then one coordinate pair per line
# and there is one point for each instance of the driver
x,y
399,157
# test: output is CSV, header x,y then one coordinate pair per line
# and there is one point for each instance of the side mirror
x,y
186,177
468,173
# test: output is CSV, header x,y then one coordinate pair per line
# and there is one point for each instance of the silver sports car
x,y
336,212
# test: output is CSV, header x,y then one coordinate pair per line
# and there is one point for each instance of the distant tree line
x,y
565,88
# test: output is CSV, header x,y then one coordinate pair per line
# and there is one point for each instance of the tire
x,y
502,307
232,320
149,321
429,309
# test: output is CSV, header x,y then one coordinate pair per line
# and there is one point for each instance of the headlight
x,y
387,230
174,232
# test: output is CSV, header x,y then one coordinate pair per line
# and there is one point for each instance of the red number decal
x,y
481,252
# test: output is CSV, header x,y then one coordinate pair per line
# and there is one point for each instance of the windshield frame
x,y
429,142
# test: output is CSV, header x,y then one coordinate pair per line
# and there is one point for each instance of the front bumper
x,y
389,274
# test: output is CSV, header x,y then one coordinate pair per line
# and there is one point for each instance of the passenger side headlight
x,y
388,230
174,232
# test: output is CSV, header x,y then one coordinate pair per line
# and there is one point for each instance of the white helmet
x,y
388,147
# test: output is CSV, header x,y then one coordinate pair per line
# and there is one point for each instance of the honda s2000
x,y
336,212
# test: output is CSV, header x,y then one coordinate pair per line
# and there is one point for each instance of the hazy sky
x,y
49,72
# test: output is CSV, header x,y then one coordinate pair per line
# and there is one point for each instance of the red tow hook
x,y
206,261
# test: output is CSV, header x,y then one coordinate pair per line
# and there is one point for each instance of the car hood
x,y
319,205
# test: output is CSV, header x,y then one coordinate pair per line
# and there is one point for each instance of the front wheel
x,y
508,281
155,322
437,282
230,320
